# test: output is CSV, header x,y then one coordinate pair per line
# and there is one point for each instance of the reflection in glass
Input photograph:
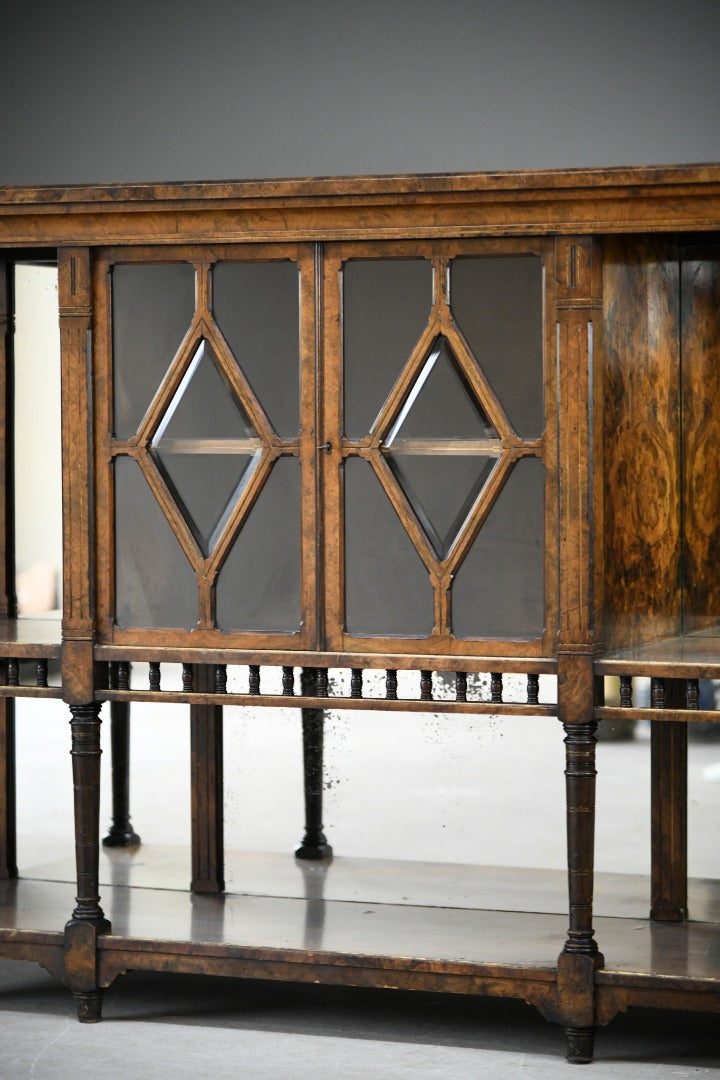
x,y
498,304
442,447
442,489
207,488
259,585
154,583
499,589
387,588
206,448
256,306
204,406
152,308
37,443
386,305
441,404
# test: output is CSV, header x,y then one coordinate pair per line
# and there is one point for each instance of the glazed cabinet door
x,y
441,448
205,447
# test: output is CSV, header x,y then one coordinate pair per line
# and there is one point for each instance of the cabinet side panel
x,y
700,345
641,440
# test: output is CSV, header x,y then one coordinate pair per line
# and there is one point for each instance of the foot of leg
x,y
89,1006
580,1043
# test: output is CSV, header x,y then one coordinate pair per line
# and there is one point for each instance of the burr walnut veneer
x,y
461,430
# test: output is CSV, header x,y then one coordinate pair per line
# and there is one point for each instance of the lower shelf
x,y
401,935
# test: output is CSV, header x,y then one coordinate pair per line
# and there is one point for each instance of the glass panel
x,y
37,491
206,488
256,306
258,586
387,588
441,489
441,404
152,308
498,304
204,405
499,589
204,447
442,447
386,305
154,583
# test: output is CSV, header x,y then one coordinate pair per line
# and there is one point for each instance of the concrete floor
x,y
453,790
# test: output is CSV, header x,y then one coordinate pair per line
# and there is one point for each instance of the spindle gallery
x,y
423,444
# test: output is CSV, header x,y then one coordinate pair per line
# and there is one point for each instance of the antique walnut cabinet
x,y
442,427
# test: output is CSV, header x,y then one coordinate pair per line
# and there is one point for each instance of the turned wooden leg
x,y
668,801
580,956
88,920
206,783
8,828
314,843
121,833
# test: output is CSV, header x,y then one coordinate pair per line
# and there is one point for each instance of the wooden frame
x,y
596,231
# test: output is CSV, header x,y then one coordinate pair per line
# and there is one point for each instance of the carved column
x,y
206,788
75,298
88,919
579,284
8,856
314,843
78,675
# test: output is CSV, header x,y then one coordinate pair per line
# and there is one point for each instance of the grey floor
x,y
459,790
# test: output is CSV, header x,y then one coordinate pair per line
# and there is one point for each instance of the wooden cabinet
x,y
445,426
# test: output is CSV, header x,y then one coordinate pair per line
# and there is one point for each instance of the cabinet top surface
x,y
632,199
532,181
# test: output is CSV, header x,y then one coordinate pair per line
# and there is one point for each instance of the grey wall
x,y
185,89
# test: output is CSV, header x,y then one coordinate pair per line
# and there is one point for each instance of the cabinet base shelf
x,y
330,936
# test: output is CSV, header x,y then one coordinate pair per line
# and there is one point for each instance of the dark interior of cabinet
x,y
661,437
